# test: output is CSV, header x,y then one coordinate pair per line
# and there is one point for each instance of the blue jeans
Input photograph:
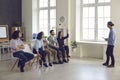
x,y
23,56
64,50
41,52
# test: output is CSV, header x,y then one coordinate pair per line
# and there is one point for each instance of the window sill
x,y
90,42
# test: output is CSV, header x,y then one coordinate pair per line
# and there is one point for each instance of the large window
x,y
93,19
47,15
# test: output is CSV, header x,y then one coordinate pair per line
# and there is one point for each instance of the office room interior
x,y
90,30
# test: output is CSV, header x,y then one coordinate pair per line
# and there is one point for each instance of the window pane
x,y
45,14
52,14
53,23
106,11
91,12
100,23
100,11
46,32
106,21
85,23
43,3
107,0
91,23
85,34
45,23
85,1
85,12
41,14
52,2
91,34
91,1
41,23
102,1
100,34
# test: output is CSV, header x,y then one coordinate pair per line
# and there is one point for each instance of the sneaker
x,y
65,61
105,64
55,63
50,64
110,66
45,65
60,62
21,69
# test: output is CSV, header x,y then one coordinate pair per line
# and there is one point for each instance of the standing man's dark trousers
x,y
109,54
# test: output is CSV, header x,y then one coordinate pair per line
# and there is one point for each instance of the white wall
x,y
27,17
115,12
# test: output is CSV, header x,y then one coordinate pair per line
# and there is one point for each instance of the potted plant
x,y
74,45
17,23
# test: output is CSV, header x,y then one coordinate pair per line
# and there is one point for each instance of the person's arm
x,y
66,36
42,44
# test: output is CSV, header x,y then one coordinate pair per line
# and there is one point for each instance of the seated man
x,y
54,44
51,53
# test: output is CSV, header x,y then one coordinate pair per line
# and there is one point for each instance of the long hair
x,y
15,34
39,36
59,34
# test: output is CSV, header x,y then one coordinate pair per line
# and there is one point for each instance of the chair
x,y
36,58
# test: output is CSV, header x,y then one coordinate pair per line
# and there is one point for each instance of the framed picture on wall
x,y
3,31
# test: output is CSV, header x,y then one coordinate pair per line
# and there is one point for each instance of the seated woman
x,y
38,47
17,47
63,48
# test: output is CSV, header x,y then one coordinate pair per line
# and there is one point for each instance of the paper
x,y
3,33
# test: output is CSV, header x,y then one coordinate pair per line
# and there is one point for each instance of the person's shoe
x,y
68,60
105,64
21,69
110,66
65,61
60,62
45,65
40,62
50,64
55,63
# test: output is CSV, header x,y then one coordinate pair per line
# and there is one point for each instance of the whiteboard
x,y
3,32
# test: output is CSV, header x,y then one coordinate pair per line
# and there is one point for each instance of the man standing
x,y
111,42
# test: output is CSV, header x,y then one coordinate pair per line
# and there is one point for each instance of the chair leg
x,y
14,64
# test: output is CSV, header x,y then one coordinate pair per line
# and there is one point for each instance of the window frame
x,y
49,8
96,5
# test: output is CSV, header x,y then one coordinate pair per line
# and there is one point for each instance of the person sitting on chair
x,y
54,45
63,48
17,47
38,47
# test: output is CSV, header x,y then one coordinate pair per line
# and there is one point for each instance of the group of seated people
x,y
52,48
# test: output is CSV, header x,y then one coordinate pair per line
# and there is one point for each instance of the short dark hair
x,y
39,36
110,23
15,34
51,31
